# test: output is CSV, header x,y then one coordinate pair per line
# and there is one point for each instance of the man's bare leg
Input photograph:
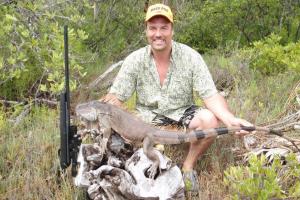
x,y
204,119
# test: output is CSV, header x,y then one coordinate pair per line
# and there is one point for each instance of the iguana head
x,y
86,112
87,117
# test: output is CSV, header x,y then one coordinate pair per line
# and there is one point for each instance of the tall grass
x,y
254,97
29,163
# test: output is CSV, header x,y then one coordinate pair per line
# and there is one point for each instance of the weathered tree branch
x,y
48,102
23,114
35,101
27,107
11,102
105,74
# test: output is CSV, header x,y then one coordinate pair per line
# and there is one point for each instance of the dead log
x,y
99,86
96,82
120,173
270,146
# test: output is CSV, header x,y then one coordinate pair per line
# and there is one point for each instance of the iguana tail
x,y
175,137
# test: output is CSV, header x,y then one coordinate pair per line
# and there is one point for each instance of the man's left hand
x,y
239,122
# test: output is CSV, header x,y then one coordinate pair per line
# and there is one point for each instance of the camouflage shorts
x,y
184,121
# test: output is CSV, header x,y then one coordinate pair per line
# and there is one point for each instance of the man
x,y
164,76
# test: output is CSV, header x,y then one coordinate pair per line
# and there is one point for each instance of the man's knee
x,y
203,119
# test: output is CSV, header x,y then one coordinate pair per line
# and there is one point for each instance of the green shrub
x,y
31,53
262,181
270,57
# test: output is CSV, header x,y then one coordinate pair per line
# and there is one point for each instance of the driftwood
x,y
270,147
118,172
273,145
99,86
105,74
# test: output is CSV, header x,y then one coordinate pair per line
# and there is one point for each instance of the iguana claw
x,y
152,171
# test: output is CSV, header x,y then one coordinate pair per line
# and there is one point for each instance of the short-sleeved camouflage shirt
x,y
187,73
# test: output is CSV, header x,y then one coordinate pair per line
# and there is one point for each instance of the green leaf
x,y
43,88
22,56
11,61
7,28
11,17
16,73
82,34
34,42
25,33
1,62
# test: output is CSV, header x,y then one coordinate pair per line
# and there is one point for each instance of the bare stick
x,y
107,72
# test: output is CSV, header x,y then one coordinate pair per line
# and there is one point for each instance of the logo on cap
x,y
159,10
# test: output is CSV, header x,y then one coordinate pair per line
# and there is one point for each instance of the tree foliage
x,y
238,23
270,57
31,51
31,54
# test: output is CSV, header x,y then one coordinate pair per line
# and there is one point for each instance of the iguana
x,y
102,116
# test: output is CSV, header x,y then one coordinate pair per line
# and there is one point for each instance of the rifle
x,y
69,140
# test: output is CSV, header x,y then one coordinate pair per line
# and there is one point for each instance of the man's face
x,y
159,32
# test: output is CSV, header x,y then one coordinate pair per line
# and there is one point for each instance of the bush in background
x,y
261,181
270,57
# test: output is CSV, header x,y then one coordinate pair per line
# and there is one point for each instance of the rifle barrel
x,y
67,88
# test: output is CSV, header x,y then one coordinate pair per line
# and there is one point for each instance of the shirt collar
x,y
173,51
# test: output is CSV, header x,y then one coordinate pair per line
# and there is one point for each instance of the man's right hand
x,y
111,99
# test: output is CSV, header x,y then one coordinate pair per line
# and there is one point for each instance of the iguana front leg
x,y
150,153
105,129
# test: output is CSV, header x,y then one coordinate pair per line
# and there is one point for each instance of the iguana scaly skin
x,y
106,117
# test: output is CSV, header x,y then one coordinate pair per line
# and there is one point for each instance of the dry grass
x,y
211,165
29,162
